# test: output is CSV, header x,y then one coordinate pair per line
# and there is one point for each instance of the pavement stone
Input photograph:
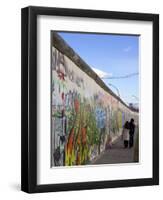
x,y
116,154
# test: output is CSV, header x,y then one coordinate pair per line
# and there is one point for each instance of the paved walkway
x,y
117,154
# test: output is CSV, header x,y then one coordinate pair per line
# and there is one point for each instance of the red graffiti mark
x,y
62,95
70,141
61,75
76,105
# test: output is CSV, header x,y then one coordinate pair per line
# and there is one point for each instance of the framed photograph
x,y
90,99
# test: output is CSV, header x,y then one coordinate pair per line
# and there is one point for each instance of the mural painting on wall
x,y
83,115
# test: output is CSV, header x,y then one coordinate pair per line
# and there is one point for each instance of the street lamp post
x,y
115,89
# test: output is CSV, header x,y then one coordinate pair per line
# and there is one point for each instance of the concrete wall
x,y
86,114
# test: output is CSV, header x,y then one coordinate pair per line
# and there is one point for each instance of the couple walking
x,y
128,133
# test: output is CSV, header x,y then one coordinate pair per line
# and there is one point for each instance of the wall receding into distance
x,y
86,114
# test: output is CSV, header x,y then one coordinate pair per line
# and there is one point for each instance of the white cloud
x,y
101,73
127,49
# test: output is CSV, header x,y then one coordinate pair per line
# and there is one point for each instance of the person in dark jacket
x,y
125,134
131,132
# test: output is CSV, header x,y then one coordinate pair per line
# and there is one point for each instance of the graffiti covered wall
x,y
84,115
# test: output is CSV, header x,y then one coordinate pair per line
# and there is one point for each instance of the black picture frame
x,y
29,98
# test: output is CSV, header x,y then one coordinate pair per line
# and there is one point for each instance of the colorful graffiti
x,y
84,116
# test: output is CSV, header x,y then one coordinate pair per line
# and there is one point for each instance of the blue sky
x,y
116,55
